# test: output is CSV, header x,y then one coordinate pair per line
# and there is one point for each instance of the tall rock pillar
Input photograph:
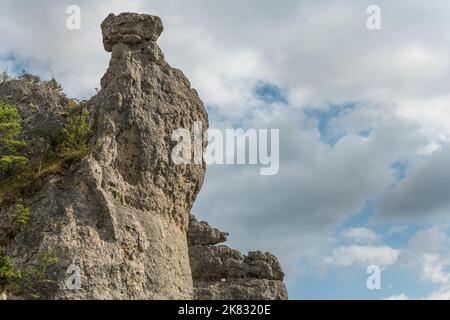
x,y
141,102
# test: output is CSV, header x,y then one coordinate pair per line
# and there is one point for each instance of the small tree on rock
x,y
10,130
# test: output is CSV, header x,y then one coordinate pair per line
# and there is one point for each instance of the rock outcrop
x,y
43,112
220,272
120,215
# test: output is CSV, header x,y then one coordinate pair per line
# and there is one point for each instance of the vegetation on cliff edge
x,y
10,145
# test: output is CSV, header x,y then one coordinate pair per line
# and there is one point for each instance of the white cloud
x,y
360,235
396,229
433,269
363,255
401,296
433,113
428,253
440,294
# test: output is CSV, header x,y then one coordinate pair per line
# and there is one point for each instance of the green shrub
x,y
27,181
72,103
10,129
52,84
26,282
77,133
9,276
5,77
20,177
36,276
8,162
28,77
39,271
17,220
21,215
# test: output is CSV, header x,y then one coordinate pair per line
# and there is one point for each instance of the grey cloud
x,y
424,193
318,186
318,50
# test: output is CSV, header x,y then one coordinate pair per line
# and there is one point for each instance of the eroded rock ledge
x,y
220,272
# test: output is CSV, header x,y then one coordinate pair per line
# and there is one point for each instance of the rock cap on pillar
x,y
131,29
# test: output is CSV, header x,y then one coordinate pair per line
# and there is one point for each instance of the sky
x,y
363,117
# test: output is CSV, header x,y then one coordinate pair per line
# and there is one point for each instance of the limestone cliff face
x,y
121,214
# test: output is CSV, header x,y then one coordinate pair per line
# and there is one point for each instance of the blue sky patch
x,y
269,93
324,117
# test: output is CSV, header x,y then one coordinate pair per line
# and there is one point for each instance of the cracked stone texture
x,y
200,232
131,29
121,214
40,110
220,272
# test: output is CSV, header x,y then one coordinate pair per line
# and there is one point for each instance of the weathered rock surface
x,y
220,272
201,233
130,29
240,289
42,111
121,215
